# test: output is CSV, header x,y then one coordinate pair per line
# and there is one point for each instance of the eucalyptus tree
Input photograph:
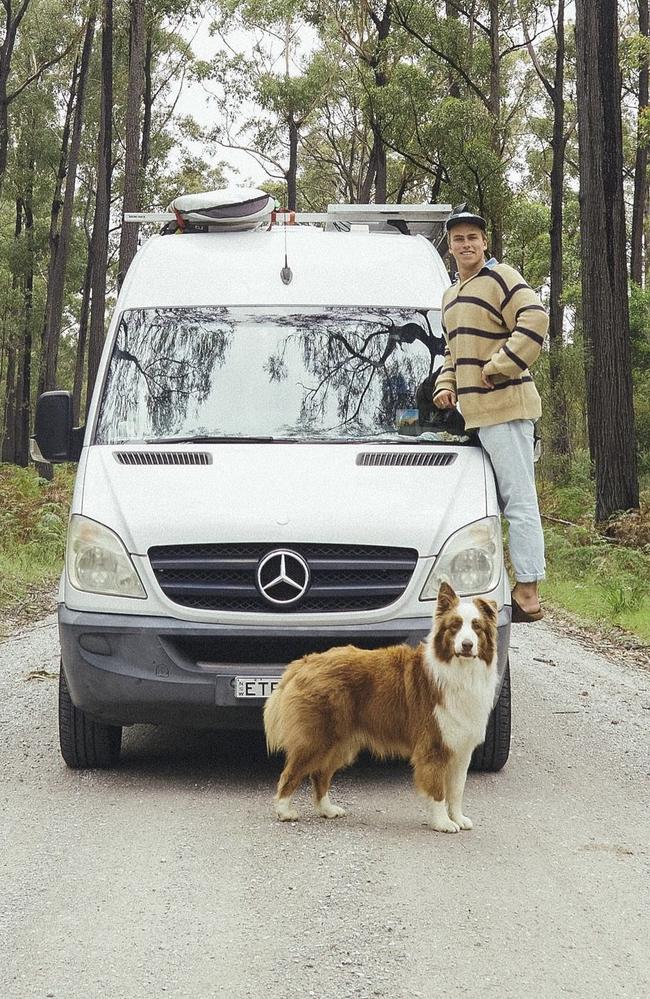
x,y
549,65
141,82
99,243
443,137
61,218
14,23
480,46
133,131
267,88
336,144
33,169
638,46
604,272
365,35
150,79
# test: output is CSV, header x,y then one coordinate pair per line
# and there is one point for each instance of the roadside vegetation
x,y
33,523
599,577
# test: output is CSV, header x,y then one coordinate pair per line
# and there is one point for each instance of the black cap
x,y
467,217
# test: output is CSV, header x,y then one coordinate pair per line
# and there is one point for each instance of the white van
x,y
260,477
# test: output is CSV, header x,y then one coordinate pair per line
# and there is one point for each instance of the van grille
x,y
223,577
231,650
163,457
417,458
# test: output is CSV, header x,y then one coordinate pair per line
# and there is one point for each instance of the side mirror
x,y
55,439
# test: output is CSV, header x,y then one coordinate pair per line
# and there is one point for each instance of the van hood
x,y
283,493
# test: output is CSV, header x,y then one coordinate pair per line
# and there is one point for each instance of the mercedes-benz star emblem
x,y
283,577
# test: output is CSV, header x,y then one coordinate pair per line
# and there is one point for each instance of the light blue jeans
x,y
510,449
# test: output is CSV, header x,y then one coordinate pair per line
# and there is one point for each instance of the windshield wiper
x,y
208,439
391,439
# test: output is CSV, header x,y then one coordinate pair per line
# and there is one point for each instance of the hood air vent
x,y
418,458
163,457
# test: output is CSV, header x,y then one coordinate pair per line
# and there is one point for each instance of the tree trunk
x,y
8,451
641,165
376,172
604,276
451,13
60,240
47,378
24,380
377,167
494,101
131,201
9,440
292,172
99,243
148,99
80,362
646,230
369,179
381,172
6,54
560,443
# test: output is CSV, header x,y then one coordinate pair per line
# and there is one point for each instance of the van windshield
x,y
271,372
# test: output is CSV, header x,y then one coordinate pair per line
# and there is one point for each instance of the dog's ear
x,y
488,608
446,598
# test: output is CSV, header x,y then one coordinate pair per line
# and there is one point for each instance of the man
x,y
495,325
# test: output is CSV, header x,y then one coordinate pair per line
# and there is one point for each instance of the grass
x,y
599,581
33,524
609,586
599,576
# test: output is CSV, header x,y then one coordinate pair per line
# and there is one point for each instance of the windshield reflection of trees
x,y
165,360
174,352
353,352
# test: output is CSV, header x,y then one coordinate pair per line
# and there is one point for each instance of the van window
x,y
240,372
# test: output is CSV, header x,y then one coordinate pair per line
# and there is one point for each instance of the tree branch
x,y
41,69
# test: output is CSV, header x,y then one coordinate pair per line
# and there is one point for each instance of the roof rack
x,y
425,219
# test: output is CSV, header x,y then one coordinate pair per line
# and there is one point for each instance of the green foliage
x,y
527,248
427,88
625,593
33,525
596,579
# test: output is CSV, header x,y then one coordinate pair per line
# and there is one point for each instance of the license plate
x,y
255,686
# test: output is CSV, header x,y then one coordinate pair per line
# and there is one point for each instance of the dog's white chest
x,y
462,716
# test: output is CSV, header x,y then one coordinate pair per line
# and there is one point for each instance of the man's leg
x,y
510,449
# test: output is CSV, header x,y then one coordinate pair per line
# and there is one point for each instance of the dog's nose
x,y
468,646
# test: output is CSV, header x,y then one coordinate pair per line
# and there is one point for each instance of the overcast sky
x,y
195,100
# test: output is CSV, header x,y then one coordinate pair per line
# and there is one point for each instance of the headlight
x,y
470,560
97,561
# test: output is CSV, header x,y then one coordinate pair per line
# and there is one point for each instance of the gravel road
x,y
170,876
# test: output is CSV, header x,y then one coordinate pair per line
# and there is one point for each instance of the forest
x,y
534,114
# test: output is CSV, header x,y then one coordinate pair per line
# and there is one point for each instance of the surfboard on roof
x,y
232,208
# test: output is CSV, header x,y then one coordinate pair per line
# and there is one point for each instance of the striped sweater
x,y
494,321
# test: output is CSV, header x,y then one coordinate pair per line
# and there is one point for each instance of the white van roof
x,y
328,268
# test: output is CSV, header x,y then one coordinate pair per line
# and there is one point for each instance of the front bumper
x,y
130,669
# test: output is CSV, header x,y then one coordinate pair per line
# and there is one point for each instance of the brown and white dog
x,y
428,704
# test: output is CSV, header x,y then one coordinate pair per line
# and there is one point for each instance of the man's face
x,y
467,243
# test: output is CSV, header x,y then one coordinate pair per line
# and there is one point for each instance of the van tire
x,y
85,743
492,754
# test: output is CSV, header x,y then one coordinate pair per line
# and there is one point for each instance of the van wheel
x,y
85,744
493,753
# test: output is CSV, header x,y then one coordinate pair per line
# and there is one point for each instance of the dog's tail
x,y
273,721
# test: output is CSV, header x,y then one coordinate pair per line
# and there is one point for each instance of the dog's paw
x,y
444,825
438,818
285,812
463,821
328,810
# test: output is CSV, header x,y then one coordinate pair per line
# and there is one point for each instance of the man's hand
x,y
445,400
486,380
